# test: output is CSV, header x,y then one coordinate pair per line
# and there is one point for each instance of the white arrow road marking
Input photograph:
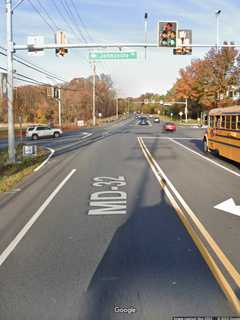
x,y
229,206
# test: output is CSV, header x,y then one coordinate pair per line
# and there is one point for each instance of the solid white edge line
x,y
13,244
205,158
52,151
167,138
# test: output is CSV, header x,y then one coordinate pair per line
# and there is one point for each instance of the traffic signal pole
x,y
9,48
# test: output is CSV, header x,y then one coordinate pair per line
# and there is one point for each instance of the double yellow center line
x,y
190,220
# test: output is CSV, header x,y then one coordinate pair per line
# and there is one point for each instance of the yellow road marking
x,y
166,184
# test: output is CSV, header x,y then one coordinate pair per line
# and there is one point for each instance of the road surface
x,y
97,233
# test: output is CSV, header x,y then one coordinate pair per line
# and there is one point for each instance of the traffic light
x,y
61,52
60,38
55,93
167,33
184,39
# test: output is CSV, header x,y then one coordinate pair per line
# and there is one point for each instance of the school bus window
x,y
227,122
211,123
234,121
217,123
223,123
238,126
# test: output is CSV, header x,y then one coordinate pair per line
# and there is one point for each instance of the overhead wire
x,y
81,21
68,24
71,18
41,15
33,66
70,14
47,14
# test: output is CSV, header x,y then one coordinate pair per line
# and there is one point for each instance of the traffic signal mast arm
x,y
113,45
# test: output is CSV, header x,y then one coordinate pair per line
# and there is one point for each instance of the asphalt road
x,y
93,233
67,138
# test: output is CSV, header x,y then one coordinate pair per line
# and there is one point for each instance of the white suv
x,y
37,132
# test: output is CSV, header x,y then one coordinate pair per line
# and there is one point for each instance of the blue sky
x,y
122,20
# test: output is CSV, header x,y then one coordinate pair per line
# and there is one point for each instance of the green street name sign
x,y
97,55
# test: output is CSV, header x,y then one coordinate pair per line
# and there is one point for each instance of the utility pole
x,y
94,96
59,108
186,110
117,107
9,46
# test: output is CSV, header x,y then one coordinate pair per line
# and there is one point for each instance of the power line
x,y
28,78
42,16
42,83
62,16
72,19
28,81
80,19
3,69
70,24
47,14
32,66
84,26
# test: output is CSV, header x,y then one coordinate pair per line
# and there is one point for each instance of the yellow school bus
x,y
223,133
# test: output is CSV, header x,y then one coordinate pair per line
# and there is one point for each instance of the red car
x,y
170,126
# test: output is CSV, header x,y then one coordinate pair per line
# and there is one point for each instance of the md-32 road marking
x,y
111,200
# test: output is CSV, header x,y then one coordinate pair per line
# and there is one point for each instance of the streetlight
x,y
145,31
217,13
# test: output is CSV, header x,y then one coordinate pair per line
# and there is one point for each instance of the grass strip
x,y
12,174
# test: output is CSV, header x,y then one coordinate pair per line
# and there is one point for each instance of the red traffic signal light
x,y
167,34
